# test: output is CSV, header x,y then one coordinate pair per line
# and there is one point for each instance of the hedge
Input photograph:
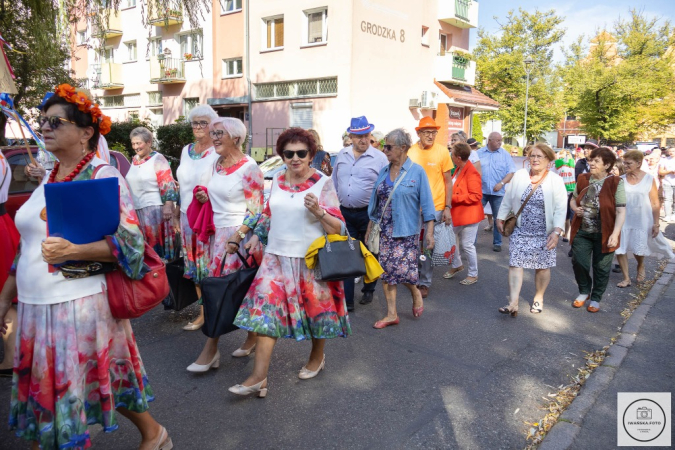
x,y
171,140
118,137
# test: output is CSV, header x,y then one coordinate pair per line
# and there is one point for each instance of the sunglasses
x,y
289,154
200,124
54,121
387,147
216,134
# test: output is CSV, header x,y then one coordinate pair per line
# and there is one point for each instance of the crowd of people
x,y
380,184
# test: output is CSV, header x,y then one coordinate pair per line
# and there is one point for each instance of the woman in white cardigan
x,y
538,228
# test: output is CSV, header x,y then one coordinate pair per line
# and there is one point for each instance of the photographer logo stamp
x,y
643,419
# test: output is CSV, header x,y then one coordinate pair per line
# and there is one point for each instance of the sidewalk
x,y
641,360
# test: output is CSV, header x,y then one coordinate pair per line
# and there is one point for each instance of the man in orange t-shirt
x,y
436,161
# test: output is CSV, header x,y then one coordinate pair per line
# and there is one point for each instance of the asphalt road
x,y
461,376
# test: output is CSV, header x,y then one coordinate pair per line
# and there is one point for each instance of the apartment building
x,y
310,63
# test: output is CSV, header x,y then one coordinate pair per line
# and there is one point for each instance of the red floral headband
x,y
85,105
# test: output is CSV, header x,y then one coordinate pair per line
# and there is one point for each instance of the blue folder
x,y
83,212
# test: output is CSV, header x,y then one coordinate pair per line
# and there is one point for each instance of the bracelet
x,y
322,215
448,206
234,243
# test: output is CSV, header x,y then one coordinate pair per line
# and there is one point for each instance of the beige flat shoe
x,y
452,272
193,326
307,374
240,389
240,352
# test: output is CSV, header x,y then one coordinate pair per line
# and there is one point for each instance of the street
x,y
461,376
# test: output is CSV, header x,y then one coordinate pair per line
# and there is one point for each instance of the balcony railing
x,y
166,17
108,30
460,13
453,67
165,70
108,76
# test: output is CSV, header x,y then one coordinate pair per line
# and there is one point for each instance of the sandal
x,y
468,281
488,228
506,310
641,277
452,272
623,284
536,308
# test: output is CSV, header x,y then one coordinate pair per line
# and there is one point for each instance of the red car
x,y
21,186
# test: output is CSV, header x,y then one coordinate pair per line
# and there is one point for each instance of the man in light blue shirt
x,y
497,170
356,170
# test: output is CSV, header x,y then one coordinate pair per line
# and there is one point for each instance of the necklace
x,y
52,177
294,187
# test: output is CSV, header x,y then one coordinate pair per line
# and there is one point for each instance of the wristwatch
x,y
241,235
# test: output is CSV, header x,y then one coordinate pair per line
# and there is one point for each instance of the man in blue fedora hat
x,y
354,175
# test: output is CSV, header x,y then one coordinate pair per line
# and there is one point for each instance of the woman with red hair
x,y
285,300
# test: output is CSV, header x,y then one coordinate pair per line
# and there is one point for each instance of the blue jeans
x,y
495,202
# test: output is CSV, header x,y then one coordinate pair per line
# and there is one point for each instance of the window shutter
x,y
315,32
301,115
269,34
278,32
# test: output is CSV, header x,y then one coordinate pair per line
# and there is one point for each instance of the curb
x,y
562,434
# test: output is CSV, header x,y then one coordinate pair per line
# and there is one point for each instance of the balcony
x,y
166,18
460,13
454,68
108,76
165,70
110,30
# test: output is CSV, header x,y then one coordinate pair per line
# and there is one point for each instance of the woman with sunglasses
x,y
407,185
235,189
78,365
538,228
285,300
196,160
155,193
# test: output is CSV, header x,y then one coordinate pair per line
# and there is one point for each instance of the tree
x,y
477,129
622,83
39,62
501,72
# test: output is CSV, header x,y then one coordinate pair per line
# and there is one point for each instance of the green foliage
x,y
39,62
172,138
623,84
477,129
501,72
118,139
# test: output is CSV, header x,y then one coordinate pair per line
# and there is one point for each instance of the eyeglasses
x,y
200,124
429,133
387,147
54,121
216,134
536,157
289,154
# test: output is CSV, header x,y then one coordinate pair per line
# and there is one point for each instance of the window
x,y
425,36
228,6
191,45
157,116
107,55
131,50
316,26
188,104
156,46
119,101
133,115
322,87
81,37
232,68
274,32
301,115
154,98
128,3
442,43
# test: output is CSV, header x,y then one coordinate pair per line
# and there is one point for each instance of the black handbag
x,y
340,260
182,293
223,297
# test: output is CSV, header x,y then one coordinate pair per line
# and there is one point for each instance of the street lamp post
x,y
528,68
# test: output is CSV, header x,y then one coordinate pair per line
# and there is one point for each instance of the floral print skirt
x,y
398,256
195,252
219,247
74,365
158,233
286,301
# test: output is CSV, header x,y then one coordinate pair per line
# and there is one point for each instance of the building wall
x,y
228,43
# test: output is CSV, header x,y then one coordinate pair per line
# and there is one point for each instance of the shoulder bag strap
x,y
96,169
392,191
527,199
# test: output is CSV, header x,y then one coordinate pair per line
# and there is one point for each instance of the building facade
x,y
308,63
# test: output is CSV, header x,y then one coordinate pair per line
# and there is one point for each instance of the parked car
x,y
22,186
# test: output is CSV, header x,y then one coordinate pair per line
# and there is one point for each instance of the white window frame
x,y
154,51
225,68
111,49
324,26
82,37
274,47
127,46
186,111
189,37
425,36
234,9
128,4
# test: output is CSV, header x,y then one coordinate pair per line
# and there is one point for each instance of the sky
x,y
581,16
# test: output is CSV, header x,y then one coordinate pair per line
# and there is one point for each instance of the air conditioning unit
x,y
414,103
428,100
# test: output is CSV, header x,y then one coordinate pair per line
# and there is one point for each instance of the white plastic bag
x,y
445,245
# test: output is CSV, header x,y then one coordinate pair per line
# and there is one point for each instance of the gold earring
x,y
84,149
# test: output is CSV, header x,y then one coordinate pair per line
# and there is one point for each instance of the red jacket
x,y
467,194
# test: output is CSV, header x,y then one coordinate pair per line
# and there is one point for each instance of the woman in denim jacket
x,y
400,223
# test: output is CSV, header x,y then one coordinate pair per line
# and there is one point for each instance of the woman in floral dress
x,y
75,364
196,160
285,300
399,222
154,192
235,190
